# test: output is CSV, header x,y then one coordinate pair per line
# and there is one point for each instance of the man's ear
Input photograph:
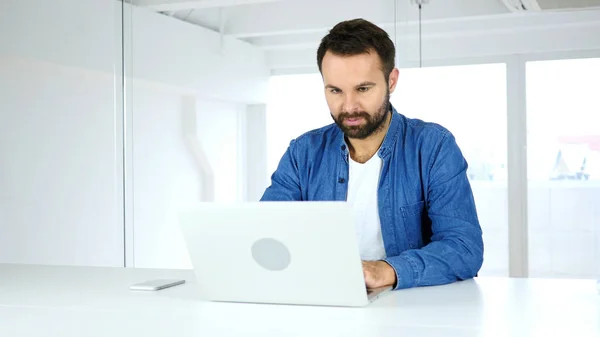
x,y
393,79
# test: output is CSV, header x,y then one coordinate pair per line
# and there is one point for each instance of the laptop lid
x,y
275,252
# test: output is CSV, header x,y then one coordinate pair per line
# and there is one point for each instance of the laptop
x,y
299,253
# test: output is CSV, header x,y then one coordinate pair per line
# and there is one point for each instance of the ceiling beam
x,y
439,48
179,5
308,16
470,26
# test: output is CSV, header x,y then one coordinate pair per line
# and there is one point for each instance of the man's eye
x,y
363,89
335,91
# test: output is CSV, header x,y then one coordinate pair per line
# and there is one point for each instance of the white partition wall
x,y
60,172
92,167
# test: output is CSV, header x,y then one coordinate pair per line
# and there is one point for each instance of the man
x,y
406,179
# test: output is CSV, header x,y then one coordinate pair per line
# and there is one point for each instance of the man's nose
x,y
351,103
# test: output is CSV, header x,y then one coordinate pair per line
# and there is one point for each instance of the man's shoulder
x,y
425,135
419,127
317,138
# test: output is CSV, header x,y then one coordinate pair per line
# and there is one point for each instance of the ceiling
x,y
289,31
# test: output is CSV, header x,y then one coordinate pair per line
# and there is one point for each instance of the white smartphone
x,y
155,285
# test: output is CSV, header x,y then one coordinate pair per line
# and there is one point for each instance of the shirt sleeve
x,y
285,182
456,248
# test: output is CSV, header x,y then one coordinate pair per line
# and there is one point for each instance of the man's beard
x,y
373,123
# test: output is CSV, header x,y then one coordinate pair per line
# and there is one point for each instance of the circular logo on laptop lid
x,y
271,254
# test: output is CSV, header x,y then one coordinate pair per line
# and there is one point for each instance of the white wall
x,y
79,33
165,175
173,52
59,179
87,34
61,193
218,131
60,176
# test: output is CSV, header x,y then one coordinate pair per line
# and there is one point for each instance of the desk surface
x,y
89,301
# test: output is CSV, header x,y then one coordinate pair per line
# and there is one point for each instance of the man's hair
x,y
355,37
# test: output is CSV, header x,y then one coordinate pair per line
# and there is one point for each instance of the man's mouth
x,y
353,121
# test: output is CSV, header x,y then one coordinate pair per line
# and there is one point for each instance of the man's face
x,y
357,93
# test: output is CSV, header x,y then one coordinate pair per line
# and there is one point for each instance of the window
x,y
563,136
296,105
470,101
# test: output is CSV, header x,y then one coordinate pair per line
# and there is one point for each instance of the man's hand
x,y
378,274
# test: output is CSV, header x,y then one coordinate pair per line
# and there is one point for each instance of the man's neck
x,y
361,150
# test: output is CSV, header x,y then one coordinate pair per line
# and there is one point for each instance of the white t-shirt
x,y
362,196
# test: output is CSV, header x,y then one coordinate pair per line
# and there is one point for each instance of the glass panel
x,y
563,142
60,190
470,101
188,110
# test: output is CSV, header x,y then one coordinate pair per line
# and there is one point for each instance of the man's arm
x,y
456,248
285,182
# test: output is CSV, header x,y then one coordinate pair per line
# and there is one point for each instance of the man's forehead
x,y
351,70
364,61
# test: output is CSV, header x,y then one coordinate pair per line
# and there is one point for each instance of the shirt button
x,y
343,147
342,180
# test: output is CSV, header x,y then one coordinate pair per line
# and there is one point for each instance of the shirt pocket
x,y
413,209
413,216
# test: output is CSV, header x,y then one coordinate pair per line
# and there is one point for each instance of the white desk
x,y
86,301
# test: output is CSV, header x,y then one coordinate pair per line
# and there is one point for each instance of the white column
x,y
205,172
518,238
253,152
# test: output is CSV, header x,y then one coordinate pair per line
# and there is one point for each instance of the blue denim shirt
x,y
429,222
